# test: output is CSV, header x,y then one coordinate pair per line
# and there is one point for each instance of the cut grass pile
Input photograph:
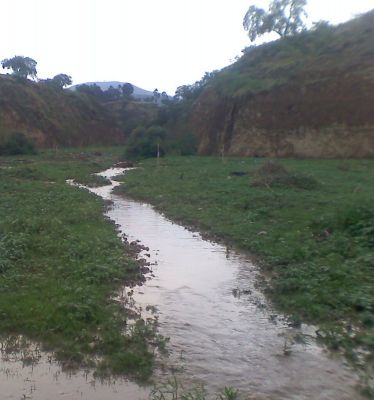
x,y
310,221
60,263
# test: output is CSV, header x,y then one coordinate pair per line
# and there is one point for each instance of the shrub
x,y
16,144
184,144
145,142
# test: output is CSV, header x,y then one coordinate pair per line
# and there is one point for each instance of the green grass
x,y
311,56
61,260
312,227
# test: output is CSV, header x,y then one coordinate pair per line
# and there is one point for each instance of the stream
x,y
222,330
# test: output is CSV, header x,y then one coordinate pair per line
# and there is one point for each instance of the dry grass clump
x,y
273,174
265,174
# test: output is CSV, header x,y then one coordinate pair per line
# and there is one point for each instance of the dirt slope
x,y
308,96
54,117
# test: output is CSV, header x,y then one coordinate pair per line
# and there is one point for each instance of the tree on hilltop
x,y
284,17
127,90
22,67
58,81
156,96
62,80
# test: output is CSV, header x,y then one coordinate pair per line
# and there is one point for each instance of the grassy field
x,y
61,260
310,222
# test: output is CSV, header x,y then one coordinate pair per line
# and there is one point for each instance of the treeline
x,y
170,132
111,94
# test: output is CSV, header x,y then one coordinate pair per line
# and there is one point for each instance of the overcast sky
x,y
150,43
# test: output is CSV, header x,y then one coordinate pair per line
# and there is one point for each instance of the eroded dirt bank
x,y
310,95
332,119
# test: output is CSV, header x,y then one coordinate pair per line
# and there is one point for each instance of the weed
x,y
172,389
229,393
317,247
61,262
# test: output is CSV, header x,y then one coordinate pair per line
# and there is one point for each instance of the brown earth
x,y
53,117
321,104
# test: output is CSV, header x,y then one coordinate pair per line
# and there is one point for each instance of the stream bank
x,y
222,329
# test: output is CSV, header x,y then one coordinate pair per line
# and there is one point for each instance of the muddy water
x,y
222,330
46,381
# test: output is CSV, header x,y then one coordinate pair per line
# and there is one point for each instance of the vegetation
x,y
61,263
17,144
112,94
321,260
53,117
58,81
22,67
173,390
284,18
174,116
301,59
191,92
158,140
145,143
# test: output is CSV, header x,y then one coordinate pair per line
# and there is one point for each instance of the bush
x,y
16,144
145,142
184,144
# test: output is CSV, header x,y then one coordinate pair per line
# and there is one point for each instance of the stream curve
x,y
222,330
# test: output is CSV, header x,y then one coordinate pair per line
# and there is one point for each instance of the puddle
x,y
46,381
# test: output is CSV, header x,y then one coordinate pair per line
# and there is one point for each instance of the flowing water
x,y
222,330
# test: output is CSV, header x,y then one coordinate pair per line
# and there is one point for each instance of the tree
x,y
284,17
144,143
94,91
58,81
164,98
192,92
127,90
112,94
62,80
22,66
156,96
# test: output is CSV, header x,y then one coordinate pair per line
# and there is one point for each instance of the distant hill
x,y
139,93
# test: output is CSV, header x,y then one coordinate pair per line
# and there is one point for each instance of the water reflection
x,y
26,372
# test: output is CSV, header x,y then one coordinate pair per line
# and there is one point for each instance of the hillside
x,y
53,117
310,95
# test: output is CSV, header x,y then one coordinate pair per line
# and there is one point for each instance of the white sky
x,y
150,43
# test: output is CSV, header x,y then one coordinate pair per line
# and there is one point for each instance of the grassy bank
x,y
61,260
311,223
